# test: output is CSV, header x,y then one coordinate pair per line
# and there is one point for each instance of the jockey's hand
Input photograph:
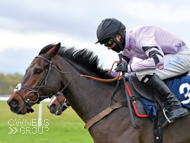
x,y
123,66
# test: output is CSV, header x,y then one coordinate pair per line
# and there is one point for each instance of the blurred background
x,y
27,26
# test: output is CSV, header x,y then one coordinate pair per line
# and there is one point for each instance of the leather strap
x,y
104,113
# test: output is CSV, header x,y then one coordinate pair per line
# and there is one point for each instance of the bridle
x,y
41,84
61,105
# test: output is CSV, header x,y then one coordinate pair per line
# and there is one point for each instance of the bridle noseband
x,y
61,105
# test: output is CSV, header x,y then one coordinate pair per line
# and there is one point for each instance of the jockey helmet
x,y
108,29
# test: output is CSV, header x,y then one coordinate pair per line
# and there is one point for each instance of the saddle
x,y
142,88
146,94
143,98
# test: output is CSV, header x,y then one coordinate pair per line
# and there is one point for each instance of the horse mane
x,y
83,57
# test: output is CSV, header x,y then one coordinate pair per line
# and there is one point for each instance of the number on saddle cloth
x,y
181,88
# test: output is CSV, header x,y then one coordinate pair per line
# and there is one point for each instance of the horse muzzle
x,y
13,103
14,106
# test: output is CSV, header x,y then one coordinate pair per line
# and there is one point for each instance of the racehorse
x,y
58,104
58,69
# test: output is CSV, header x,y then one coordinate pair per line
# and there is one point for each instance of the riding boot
x,y
175,108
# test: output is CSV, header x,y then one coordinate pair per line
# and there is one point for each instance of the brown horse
x,y
58,104
59,69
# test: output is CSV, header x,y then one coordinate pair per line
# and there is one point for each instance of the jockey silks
x,y
160,41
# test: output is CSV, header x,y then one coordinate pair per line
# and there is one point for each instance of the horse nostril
x,y
53,106
13,103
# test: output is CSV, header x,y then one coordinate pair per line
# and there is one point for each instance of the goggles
x,y
109,43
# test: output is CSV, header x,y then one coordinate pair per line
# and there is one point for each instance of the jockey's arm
x,y
155,59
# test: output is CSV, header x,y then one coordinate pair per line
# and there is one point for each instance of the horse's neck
x,y
86,96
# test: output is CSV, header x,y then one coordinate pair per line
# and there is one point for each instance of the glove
x,y
123,66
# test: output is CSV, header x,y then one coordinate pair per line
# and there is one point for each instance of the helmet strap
x,y
120,45
116,49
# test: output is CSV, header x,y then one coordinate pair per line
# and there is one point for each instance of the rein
x,y
106,80
103,80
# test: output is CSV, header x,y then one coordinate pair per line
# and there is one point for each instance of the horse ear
x,y
53,51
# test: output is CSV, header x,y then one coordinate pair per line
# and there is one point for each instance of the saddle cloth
x,y
179,86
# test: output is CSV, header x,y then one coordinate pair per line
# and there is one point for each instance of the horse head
x,y
36,82
58,104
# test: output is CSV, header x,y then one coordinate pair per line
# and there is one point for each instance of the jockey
x,y
163,55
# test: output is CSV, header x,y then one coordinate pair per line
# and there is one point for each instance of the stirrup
x,y
164,112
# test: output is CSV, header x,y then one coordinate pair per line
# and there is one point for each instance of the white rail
x,y
6,98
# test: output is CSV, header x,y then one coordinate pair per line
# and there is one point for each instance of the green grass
x,y
68,127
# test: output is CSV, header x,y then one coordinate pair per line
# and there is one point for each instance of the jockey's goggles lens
x,y
109,43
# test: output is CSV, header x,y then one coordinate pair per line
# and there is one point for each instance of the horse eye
x,y
37,71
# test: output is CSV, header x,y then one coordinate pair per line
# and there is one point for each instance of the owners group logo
x,y
31,126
